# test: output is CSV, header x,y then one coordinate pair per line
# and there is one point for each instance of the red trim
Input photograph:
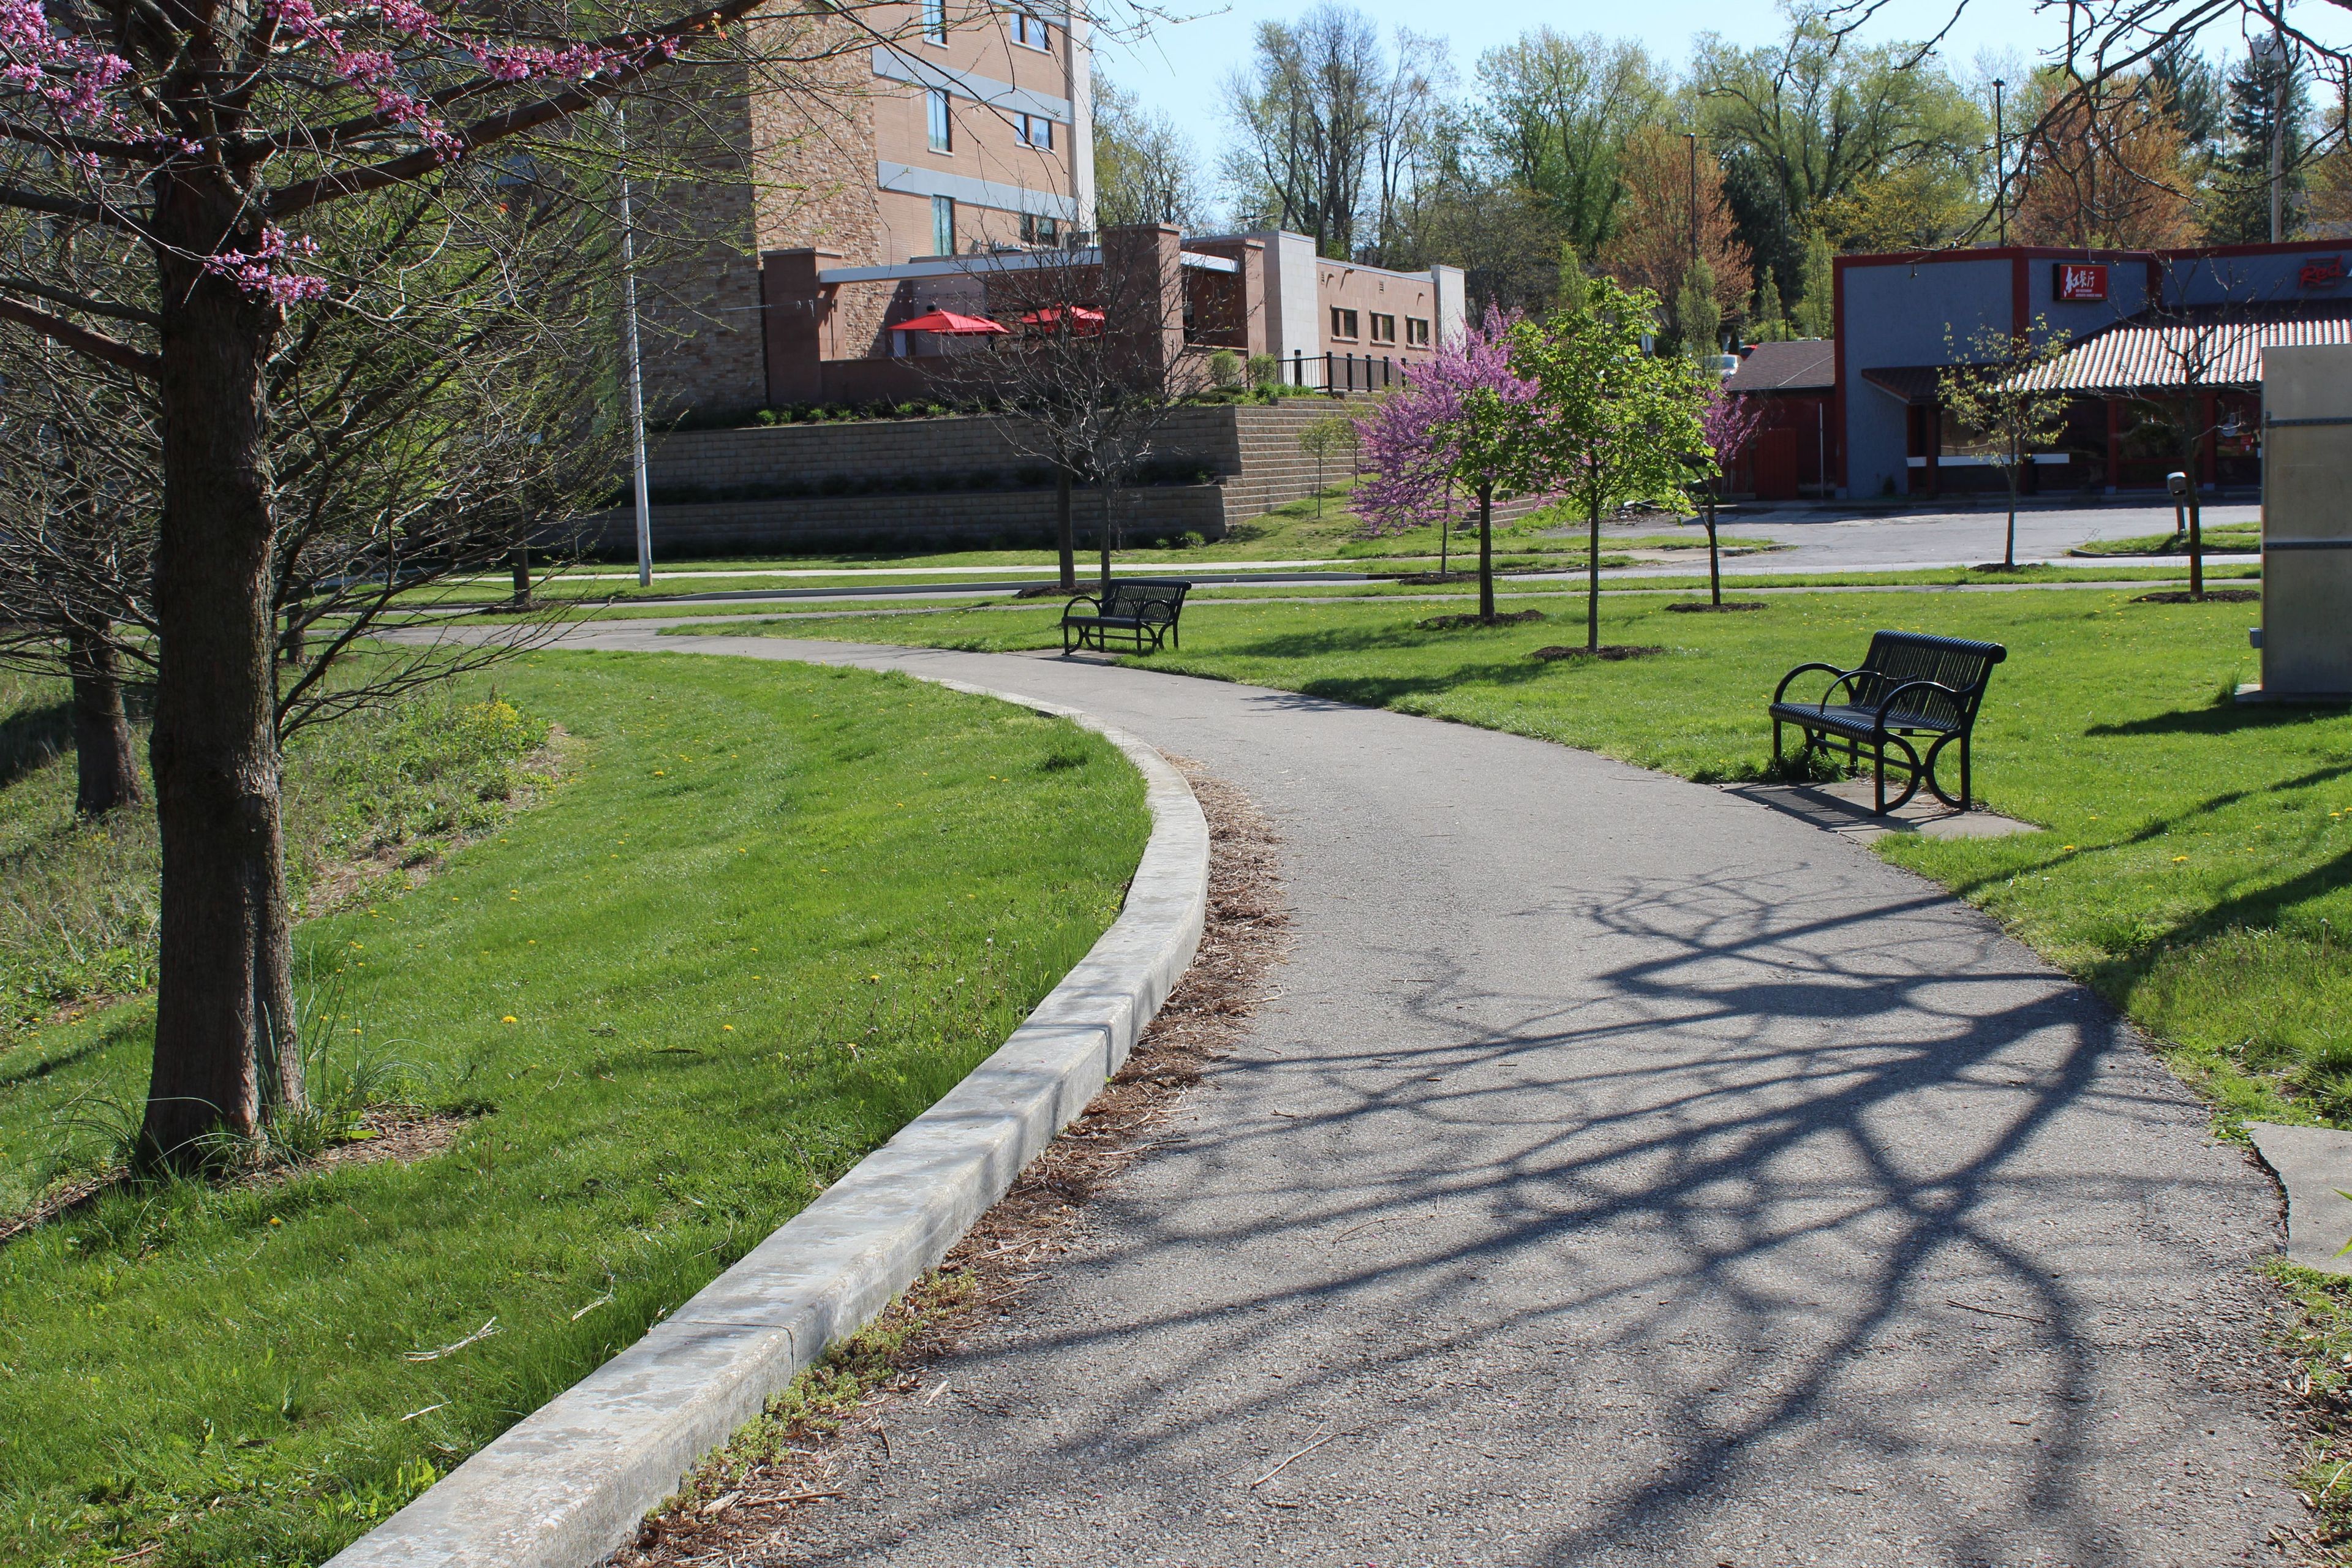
x,y
2263,248
1837,347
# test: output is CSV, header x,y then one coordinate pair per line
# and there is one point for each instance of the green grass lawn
x,y
2196,862
769,914
2228,536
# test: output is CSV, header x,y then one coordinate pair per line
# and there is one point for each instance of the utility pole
x,y
1693,137
1999,168
636,364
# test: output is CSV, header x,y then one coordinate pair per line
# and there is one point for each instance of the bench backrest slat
x,y
1960,663
1132,597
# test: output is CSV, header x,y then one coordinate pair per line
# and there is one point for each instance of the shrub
x,y
1264,370
1225,368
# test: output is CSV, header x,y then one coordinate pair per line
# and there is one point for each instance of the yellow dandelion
x,y
508,1019
275,1220
729,1027
2069,846
2177,859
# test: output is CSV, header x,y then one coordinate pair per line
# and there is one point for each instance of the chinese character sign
x,y
2081,281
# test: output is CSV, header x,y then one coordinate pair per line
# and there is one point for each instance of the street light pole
x,y
1693,137
636,365
1999,166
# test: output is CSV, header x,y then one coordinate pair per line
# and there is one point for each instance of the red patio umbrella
x,y
946,323
1084,323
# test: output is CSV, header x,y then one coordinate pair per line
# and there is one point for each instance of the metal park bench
x,y
1909,686
1143,608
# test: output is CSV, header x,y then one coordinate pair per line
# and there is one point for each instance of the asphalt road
x,y
1834,539
1626,1174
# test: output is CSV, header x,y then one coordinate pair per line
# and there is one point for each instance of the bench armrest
x,y
1071,609
1886,703
1842,677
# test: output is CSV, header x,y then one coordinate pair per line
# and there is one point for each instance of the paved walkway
x,y
1627,1174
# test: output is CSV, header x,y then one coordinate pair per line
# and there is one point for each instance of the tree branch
x,y
77,302
81,339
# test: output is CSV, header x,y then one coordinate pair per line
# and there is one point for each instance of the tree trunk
x,y
1066,531
1105,538
1592,574
2008,548
106,769
522,577
1486,554
1714,561
224,1054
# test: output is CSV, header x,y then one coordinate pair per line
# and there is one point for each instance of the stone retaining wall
x,y
980,485
985,520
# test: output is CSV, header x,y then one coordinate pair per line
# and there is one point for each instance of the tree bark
x,y
1592,574
1714,559
522,577
1486,554
224,1047
106,768
1105,538
1066,531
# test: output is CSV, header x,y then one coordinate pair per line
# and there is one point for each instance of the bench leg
x,y
1776,748
1878,770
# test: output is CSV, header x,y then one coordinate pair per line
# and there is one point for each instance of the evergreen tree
x,y
2192,91
1814,315
2237,206
1759,213
1770,324
1698,319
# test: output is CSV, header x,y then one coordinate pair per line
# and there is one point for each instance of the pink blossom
x,y
1419,443
261,270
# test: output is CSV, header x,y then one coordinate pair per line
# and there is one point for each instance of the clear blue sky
x,y
1178,67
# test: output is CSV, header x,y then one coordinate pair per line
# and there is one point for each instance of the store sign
x,y
2322,272
2082,280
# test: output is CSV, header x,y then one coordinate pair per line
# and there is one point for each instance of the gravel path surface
x,y
1627,1174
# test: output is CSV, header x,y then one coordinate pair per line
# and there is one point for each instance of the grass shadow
x,y
32,738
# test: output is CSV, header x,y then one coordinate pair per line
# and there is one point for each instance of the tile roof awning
x,y
2214,346
1909,382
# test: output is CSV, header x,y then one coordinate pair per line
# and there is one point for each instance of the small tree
x,y
1614,423
1464,417
1089,372
1728,425
1321,439
2005,397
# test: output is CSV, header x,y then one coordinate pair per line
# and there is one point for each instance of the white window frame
x,y
938,119
1378,337
1036,130
943,214
1416,332
935,22
1346,324
1031,32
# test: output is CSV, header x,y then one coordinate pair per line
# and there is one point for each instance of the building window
x,y
1343,323
1383,328
935,21
1029,31
1034,131
935,102
1037,230
943,241
1416,332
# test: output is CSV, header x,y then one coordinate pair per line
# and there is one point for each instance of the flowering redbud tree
x,y
1728,425
212,141
1462,418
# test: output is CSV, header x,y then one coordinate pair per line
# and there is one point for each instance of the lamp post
x,y
2271,55
636,364
1999,166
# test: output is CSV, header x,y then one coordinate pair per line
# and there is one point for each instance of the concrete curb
x,y
569,1482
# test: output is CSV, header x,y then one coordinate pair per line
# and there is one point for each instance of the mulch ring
x,y
2212,596
1424,579
740,1503
1612,653
1043,591
1694,609
1455,623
